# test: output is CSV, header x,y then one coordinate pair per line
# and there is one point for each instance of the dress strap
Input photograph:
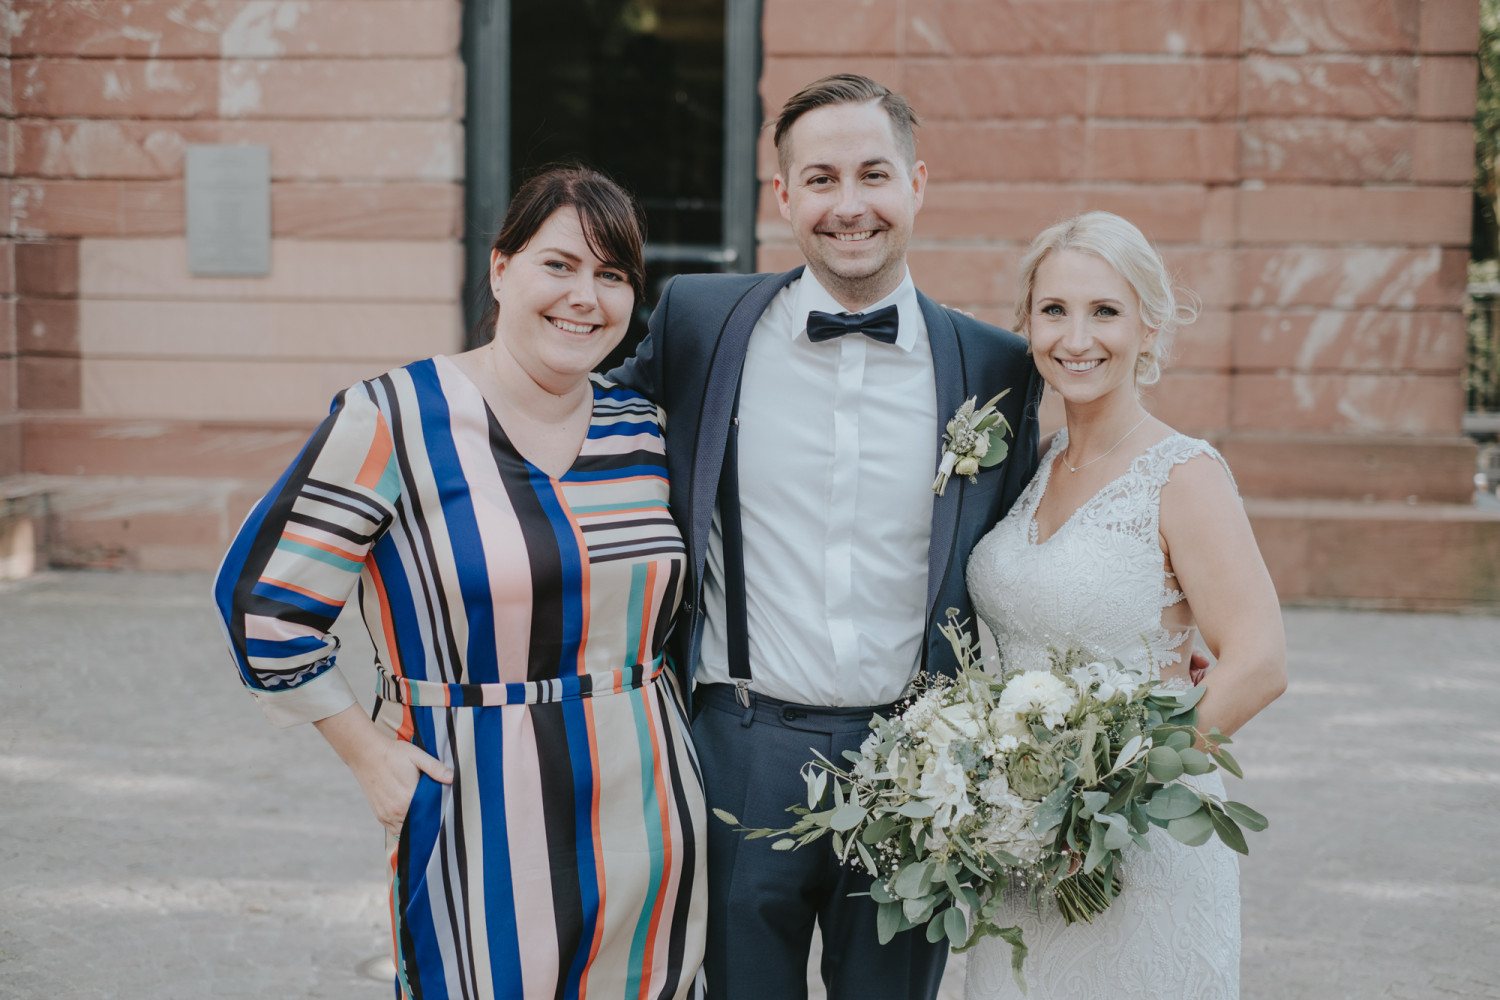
x,y
1156,463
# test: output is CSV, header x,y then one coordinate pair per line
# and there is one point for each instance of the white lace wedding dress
x,y
1100,584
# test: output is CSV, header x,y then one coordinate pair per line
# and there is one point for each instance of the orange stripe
x,y
666,841
388,628
336,602
378,456
643,644
351,556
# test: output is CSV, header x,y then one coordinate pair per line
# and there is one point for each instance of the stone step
x,y
1430,470
1421,556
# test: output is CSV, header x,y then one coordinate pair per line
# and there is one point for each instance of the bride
x,y
1129,539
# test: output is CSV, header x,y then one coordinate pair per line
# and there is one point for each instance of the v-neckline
x,y
1053,455
505,435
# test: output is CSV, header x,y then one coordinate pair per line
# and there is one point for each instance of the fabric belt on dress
x,y
405,691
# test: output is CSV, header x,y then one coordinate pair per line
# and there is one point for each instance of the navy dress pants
x,y
762,903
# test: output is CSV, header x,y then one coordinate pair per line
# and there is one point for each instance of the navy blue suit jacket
x,y
690,365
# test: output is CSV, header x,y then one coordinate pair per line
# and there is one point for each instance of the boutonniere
x,y
973,440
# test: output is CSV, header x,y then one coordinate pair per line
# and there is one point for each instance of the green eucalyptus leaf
x,y
1179,739
848,817
1226,760
1193,830
1164,764
784,844
1228,830
727,817
999,449
955,926
816,787
878,829
887,921
1246,817
1173,802
915,809
1092,803
1052,810
1195,761
1118,834
1097,850
936,930
917,910
865,856
880,893
914,880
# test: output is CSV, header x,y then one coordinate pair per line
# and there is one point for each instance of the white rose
x,y
1040,692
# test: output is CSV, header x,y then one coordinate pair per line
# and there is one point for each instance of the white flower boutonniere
x,y
973,440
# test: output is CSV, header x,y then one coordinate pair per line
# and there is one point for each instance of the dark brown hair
x,y
847,88
613,224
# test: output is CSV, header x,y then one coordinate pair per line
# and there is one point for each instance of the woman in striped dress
x,y
502,517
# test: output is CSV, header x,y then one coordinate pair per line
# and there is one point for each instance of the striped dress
x,y
519,622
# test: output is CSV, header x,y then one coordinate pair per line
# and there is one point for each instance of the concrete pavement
x,y
158,839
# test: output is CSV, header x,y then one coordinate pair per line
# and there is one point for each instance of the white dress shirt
x,y
837,450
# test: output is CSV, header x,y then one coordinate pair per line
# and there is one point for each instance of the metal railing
x,y
1482,374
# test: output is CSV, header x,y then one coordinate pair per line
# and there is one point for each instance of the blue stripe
x,y
280,649
623,429
481,658
605,475
296,600
233,566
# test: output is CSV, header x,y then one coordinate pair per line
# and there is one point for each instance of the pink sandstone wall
x,y
1304,166
1303,163
184,396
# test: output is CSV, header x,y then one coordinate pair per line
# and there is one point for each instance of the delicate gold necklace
x,y
1085,465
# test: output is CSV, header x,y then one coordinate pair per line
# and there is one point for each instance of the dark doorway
x,y
660,94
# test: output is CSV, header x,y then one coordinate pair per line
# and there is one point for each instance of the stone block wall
x,y
177,399
1303,164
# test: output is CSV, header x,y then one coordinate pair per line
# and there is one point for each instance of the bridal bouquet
x,y
1041,778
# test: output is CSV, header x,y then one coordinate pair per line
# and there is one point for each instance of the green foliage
x,y
1487,125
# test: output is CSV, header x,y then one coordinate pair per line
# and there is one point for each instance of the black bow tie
x,y
880,325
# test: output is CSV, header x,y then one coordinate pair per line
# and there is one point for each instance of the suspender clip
x,y
742,692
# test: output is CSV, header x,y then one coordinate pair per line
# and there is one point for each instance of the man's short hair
x,y
847,88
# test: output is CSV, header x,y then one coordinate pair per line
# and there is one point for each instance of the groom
x,y
802,442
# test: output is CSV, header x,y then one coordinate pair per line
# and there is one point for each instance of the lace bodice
x,y
1099,583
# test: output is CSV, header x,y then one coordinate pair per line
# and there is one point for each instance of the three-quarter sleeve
x,y
298,557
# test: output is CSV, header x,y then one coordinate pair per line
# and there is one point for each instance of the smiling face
x,y
1085,327
851,195
561,308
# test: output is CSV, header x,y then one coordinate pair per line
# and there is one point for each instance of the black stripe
x,y
598,524
331,528
361,510
644,546
555,763
353,496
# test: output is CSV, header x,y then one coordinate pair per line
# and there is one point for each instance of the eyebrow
x,y
828,167
560,252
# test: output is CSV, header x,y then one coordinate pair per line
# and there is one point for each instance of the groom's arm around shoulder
x,y
1001,360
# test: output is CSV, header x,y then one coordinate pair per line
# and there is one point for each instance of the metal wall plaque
x,y
229,210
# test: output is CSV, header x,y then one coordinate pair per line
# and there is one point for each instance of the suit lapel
x,y
718,404
948,373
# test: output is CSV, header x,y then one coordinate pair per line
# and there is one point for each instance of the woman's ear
x,y
498,263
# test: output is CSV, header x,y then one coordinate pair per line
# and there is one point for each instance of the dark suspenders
x,y
736,624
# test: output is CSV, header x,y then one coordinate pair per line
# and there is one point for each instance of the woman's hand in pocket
x,y
387,769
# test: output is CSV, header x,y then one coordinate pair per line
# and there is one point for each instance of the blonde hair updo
x,y
1119,243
